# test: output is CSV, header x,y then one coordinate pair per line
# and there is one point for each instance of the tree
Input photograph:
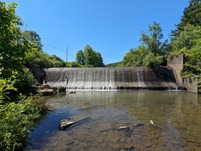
x,y
99,61
151,52
35,57
191,15
134,58
89,57
57,62
12,45
80,58
33,37
16,51
185,39
152,40
188,42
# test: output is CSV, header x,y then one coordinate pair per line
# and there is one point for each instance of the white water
x,y
110,78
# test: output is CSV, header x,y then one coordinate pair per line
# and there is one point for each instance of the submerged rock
x,y
130,148
139,125
64,124
126,128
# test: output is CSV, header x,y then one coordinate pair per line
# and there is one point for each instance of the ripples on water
x,y
177,118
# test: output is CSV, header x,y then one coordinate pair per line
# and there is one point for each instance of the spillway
x,y
111,78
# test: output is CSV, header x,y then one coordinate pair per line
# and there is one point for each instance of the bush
x,y
152,60
6,85
16,120
25,81
73,64
17,116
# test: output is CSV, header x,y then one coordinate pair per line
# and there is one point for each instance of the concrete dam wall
x,y
111,78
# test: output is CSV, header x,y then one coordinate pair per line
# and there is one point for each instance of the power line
x,y
50,45
61,50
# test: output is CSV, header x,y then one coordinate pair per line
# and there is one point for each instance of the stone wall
x,y
191,84
176,64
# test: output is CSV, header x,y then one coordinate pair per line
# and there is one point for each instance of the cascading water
x,y
110,78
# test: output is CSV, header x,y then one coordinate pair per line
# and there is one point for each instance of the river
x,y
121,120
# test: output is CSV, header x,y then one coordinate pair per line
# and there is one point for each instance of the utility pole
x,y
67,54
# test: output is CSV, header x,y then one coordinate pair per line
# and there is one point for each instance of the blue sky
x,y
111,27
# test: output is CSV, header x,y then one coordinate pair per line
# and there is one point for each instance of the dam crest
x,y
111,78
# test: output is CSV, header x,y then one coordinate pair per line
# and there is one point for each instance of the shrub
x,y
16,120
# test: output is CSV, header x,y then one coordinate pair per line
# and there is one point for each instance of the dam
x,y
111,78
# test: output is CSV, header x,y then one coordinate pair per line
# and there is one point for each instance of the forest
x,y
21,51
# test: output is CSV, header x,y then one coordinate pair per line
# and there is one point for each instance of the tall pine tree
x,y
191,15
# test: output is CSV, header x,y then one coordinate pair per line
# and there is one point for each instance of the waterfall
x,y
110,78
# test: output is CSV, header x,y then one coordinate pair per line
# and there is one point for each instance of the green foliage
x,y
12,45
36,57
99,61
192,66
134,57
73,64
89,58
25,81
152,60
152,40
186,39
80,57
5,87
56,61
21,50
191,15
33,37
116,64
90,55
16,120
199,84
151,52
17,116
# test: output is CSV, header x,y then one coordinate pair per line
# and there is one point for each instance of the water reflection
x,y
176,116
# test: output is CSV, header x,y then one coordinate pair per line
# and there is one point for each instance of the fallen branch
x,y
64,124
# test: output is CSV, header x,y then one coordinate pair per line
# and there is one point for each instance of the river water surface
x,y
121,120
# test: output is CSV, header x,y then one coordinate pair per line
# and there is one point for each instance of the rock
x,y
45,86
72,92
126,128
46,92
154,125
130,148
152,122
64,124
139,125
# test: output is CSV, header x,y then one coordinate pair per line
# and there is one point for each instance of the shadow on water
x,y
122,120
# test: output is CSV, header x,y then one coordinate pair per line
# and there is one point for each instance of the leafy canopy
x,y
186,39
191,15
12,45
151,51
89,57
